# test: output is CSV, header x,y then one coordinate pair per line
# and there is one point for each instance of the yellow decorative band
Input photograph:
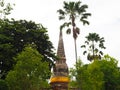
x,y
59,79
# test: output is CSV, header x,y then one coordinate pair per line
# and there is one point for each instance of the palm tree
x,y
73,11
93,42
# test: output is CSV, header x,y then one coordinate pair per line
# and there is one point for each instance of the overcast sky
x,y
105,21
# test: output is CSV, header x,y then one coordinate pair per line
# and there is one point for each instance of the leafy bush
x,y
3,85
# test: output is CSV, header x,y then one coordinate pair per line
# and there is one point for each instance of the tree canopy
x,y
93,45
15,35
28,73
3,85
101,74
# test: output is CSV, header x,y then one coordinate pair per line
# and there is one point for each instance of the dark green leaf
x,y
68,31
84,52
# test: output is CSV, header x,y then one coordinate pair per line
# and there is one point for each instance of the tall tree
x,y
15,35
94,43
30,73
73,11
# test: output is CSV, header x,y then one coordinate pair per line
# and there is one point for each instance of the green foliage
x,y
5,8
111,72
3,85
79,76
99,75
30,73
15,35
93,45
71,12
96,76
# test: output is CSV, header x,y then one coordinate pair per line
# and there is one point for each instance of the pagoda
x,y
59,79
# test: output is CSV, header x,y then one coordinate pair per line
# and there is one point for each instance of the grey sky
x,y
105,20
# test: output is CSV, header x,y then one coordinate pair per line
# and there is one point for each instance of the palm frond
x,y
82,9
101,45
101,52
87,42
71,5
68,31
102,40
84,52
66,24
77,5
83,46
61,17
61,27
61,12
84,21
104,47
66,5
86,14
89,57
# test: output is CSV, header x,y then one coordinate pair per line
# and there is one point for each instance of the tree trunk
x,y
93,47
75,49
74,36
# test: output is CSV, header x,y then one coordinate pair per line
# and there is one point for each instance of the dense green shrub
x,y
3,85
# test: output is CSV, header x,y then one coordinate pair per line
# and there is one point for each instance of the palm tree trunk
x,y
74,36
75,49
93,47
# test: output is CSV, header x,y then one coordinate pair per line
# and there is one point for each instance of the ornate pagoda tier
x,y
59,79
